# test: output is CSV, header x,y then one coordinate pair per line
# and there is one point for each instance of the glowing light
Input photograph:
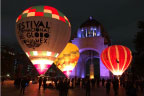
x,y
8,75
42,61
91,71
27,54
91,76
56,55
98,33
116,58
35,53
82,76
82,29
86,32
48,53
68,68
117,72
42,65
30,81
67,72
90,17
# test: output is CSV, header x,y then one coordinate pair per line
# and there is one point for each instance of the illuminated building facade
x,y
91,40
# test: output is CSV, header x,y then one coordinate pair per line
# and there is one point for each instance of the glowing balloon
x,y
116,58
67,60
42,32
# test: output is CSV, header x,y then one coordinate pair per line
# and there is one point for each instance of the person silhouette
x,y
116,86
108,87
23,85
44,83
61,87
87,86
40,82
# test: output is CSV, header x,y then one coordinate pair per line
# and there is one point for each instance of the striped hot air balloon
x,y
68,59
42,32
116,58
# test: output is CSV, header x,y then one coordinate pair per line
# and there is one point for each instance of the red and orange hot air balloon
x,y
116,58
42,32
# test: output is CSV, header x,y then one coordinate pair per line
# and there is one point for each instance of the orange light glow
x,y
91,71
118,72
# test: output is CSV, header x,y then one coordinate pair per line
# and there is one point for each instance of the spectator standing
x,y
23,85
93,83
103,81
116,86
87,87
60,88
44,83
72,82
40,82
108,87
98,82
66,87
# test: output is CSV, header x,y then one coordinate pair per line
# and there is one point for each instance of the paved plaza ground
x,y
8,89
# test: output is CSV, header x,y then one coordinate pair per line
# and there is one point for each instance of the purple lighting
x,y
79,33
90,18
90,41
104,72
82,76
98,33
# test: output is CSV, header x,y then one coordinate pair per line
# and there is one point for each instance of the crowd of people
x,y
22,83
64,84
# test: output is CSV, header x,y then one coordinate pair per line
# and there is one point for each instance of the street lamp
x,y
8,75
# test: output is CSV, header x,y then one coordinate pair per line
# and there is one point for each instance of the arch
x,y
96,65
85,61
80,69
92,49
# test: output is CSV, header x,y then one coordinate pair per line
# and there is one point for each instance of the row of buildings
x,y
14,63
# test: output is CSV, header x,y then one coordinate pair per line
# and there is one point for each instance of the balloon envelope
x,y
42,32
116,58
67,60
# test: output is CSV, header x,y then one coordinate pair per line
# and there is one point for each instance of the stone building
x,y
91,40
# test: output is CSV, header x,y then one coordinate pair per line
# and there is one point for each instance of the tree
x,y
139,40
139,47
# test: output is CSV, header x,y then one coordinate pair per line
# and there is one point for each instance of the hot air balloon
x,y
67,59
116,58
42,32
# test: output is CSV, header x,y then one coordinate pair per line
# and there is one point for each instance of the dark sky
x,y
119,17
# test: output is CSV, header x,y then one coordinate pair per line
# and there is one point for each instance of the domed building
x,y
91,40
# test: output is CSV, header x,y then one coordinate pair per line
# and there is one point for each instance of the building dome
x,y
90,22
92,28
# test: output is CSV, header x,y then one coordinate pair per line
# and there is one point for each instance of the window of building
x,y
89,32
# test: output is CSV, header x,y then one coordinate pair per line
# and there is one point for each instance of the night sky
x,y
119,17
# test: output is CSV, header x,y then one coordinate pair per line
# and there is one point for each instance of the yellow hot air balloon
x,y
68,59
42,32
